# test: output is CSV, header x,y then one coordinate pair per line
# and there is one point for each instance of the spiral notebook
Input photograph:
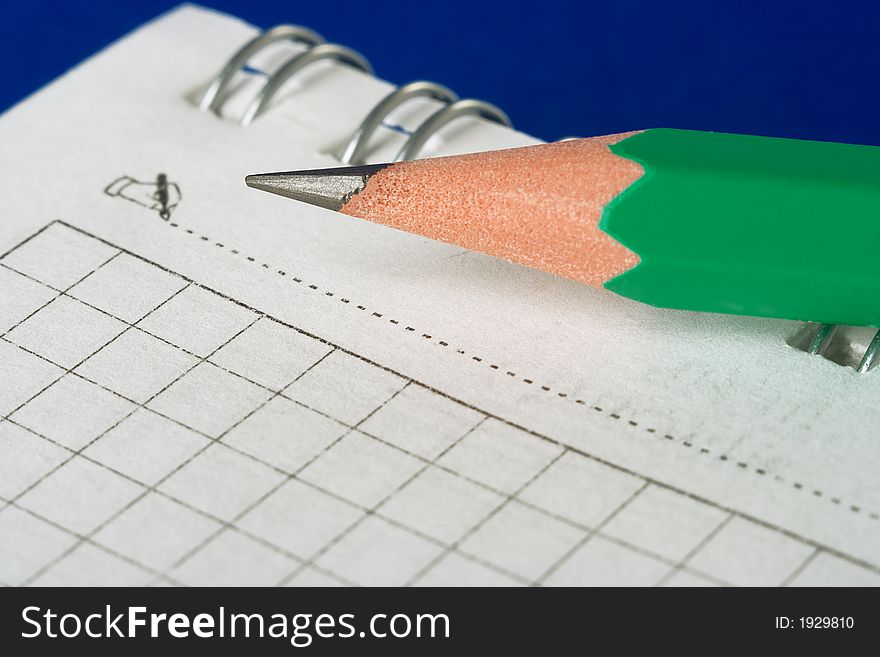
x,y
201,384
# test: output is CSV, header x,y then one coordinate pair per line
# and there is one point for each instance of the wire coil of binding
x,y
318,50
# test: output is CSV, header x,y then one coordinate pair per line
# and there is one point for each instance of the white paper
x,y
257,392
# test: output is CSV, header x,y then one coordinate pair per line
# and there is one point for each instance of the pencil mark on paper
x,y
160,195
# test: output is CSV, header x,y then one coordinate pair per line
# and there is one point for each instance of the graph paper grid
x,y
157,432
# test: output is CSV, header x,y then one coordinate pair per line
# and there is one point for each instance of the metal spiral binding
x,y
869,358
454,109
357,145
294,65
216,92
824,335
318,50
442,117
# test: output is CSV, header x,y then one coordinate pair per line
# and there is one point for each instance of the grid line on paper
x,y
854,508
797,485
41,307
281,394
683,563
271,490
98,437
67,372
310,564
367,511
667,438
373,510
86,540
494,512
298,564
152,488
801,568
598,528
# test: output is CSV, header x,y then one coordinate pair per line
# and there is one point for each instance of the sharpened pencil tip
x,y
326,188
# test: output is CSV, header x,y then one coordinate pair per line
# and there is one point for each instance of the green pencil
x,y
673,218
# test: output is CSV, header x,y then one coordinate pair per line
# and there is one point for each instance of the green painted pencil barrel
x,y
751,225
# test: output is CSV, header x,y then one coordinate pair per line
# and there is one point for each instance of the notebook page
x,y
518,428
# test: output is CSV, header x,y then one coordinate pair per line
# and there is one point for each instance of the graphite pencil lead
x,y
327,188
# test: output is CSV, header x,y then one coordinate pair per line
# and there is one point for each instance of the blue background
x,y
802,69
